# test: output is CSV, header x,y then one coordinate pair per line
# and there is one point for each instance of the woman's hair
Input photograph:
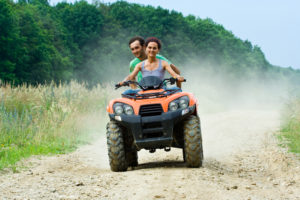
x,y
153,39
137,38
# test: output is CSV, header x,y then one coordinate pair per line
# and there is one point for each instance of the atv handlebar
x,y
126,83
117,86
166,80
172,80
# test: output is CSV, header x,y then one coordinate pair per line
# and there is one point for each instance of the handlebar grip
x,y
117,86
184,80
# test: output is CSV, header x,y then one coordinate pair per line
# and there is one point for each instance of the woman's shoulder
x,y
139,64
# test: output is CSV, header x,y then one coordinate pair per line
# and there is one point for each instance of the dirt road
x,y
242,161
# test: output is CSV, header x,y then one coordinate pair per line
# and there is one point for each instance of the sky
x,y
273,25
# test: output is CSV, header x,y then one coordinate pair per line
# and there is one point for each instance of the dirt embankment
x,y
242,161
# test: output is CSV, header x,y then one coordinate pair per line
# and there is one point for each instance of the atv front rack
x,y
165,93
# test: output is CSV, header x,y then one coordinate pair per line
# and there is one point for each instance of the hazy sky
x,y
273,25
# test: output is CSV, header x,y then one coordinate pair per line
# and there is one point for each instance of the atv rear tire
x,y
116,147
193,150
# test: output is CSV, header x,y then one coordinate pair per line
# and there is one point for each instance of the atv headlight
x,y
128,110
182,102
173,106
121,108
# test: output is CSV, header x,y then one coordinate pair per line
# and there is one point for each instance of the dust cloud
x,y
218,90
235,112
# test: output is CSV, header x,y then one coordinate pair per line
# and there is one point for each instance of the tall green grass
x,y
48,119
290,127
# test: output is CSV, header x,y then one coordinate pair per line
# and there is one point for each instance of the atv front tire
x,y
193,150
116,147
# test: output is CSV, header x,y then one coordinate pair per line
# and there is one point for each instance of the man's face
x,y
136,49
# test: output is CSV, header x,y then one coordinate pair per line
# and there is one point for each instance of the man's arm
x,y
131,68
175,69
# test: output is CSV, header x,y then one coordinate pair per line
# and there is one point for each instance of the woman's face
x,y
152,49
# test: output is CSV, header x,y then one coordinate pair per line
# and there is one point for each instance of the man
x,y
137,47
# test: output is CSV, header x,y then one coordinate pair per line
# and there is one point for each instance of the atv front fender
x,y
152,132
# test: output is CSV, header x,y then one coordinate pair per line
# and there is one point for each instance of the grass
x,y
290,128
48,119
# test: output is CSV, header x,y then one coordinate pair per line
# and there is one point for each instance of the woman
x,y
153,66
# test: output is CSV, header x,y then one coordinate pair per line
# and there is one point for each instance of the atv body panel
x,y
164,101
151,132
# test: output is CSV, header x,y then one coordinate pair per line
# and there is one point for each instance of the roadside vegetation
x,y
48,119
290,129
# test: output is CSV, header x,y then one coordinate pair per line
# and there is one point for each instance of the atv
x,y
156,117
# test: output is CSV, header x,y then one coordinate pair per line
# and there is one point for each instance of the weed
x,y
290,128
47,119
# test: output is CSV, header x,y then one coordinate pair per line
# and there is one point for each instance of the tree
x,y
9,41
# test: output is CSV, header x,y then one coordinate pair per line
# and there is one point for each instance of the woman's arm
x,y
167,67
133,73
175,69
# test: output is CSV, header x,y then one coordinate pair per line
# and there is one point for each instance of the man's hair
x,y
153,39
137,38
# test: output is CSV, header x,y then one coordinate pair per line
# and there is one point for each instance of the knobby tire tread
x,y
193,150
116,147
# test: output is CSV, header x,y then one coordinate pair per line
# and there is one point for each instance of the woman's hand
x,y
180,78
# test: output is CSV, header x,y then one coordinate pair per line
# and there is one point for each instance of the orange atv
x,y
156,117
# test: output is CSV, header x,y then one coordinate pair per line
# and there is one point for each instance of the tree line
x,y
40,43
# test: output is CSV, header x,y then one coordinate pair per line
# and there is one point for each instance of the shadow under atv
x,y
167,164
